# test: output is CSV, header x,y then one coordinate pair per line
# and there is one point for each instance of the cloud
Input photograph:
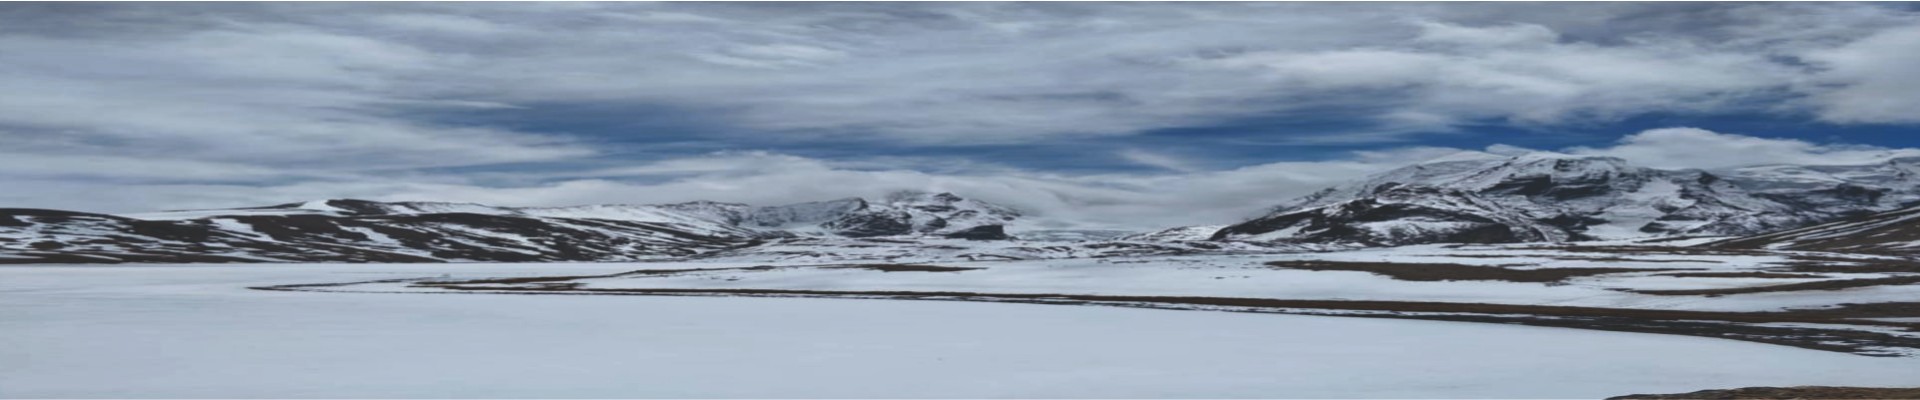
x,y
1871,80
952,73
1699,148
234,104
1153,159
1522,74
265,96
1519,34
726,163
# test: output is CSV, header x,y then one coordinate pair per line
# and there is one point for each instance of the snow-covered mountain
x,y
1464,198
314,232
1184,233
369,231
1484,198
900,213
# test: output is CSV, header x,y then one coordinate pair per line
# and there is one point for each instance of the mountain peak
x,y
1467,155
1549,155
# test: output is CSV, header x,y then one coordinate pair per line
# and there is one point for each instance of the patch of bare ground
x,y
1745,274
1856,267
1455,272
900,268
1838,284
1562,257
1796,392
1671,239
1652,250
1625,259
1870,310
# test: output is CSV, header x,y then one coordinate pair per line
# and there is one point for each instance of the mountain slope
x,y
58,236
345,230
709,218
900,213
1393,216
1895,232
1478,198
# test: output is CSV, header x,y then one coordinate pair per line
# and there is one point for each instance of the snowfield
x,y
197,331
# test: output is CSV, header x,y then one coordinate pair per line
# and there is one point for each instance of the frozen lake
x,y
195,331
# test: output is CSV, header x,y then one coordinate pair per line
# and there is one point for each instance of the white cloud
x,y
1870,80
1520,34
247,104
266,96
1703,149
1153,159
1520,73
966,73
727,163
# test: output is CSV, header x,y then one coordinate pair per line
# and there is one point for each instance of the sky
x,y
1095,115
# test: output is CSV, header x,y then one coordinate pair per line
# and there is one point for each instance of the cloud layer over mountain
x,y
1116,201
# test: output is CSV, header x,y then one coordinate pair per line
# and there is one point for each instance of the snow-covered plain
x,y
196,331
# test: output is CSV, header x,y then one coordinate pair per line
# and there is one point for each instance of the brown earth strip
x,y
1791,287
1857,267
1649,250
1456,272
1638,260
1749,274
1576,258
1797,392
1868,310
1669,239
901,268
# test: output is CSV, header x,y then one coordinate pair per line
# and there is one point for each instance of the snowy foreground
x,y
197,331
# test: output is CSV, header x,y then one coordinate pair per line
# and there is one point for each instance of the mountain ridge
x,y
1558,197
355,230
1462,198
